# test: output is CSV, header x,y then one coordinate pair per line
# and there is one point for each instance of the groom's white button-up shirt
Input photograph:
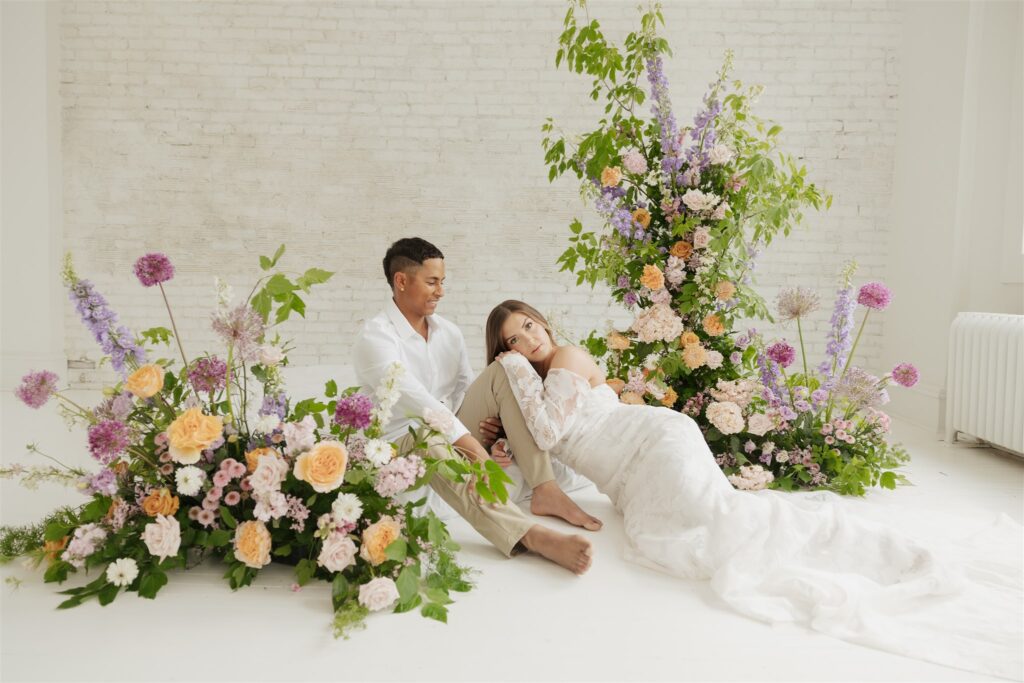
x,y
437,371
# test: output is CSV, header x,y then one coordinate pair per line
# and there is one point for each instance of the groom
x,y
437,377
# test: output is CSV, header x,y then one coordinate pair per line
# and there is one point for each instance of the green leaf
x,y
438,595
339,590
283,551
57,572
71,602
279,286
266,263
331,389
151,584
108,593
277,255
408,584
396,550
434,611
157,335
304,571
55,531
96,510
228,518
313,276
436,532
219,538
887,480
407,606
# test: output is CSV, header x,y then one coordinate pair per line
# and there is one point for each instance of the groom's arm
x,y
490,428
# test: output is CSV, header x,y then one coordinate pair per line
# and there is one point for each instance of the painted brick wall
x,y
214,131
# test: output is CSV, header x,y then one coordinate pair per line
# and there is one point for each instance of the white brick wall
x,y
215,131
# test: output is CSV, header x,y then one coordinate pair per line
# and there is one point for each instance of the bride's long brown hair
x,y
498,316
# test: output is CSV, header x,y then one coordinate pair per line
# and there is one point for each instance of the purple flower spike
x,y
152,269
874,295
36,388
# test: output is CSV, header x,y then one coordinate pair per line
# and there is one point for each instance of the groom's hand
x,y
490,431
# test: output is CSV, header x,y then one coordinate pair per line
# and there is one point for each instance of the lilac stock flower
x,y
773,393
839,339
874,295
116,341
398,475
240,327
36,388
661,107
819,396
354,411
782,353
208,374
108,439
274,404
905,375
153,269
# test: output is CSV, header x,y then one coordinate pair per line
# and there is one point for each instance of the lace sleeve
x,y
549,406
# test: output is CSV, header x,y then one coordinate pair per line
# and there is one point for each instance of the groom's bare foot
x,y
551,501
572,552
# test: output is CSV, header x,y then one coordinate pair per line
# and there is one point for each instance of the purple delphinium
x,y
905,375
782,353
773,393
617,216
208,374
108,439
661,107
703,133
274,404
36,388
241,327
354,411
874,295
116,341
839,339
153,269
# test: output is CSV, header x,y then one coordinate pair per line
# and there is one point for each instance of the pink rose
x,y
162,537
378,594
338,553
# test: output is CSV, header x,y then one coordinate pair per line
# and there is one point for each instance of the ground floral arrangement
x,y
686,211
195,464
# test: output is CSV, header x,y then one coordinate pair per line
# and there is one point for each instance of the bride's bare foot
x,y
551,501
572,552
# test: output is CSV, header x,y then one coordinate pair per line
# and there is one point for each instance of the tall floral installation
x,y
194,464
686,210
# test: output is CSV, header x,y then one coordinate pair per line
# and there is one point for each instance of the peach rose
x,y
694,356
713,325
377,537
323,467
146,381
160,502
643,217
191,433
725,290
611,176
681,250
616,384
618,341
688,338
252,544
652,279
632,398
53,548
670,398
252,458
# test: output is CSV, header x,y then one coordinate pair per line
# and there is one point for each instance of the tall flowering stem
x,y
177,337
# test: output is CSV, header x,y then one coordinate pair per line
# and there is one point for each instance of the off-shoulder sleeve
x,y
549,406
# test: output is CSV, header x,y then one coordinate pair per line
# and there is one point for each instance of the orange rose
x,y
53,548
688,338
616,384
682,250
618,341
643,217
160,502
724,290
652,279
713,325
146,381
252,544
670,397
632,398
323,467
377,537
252,458
611,176
191,433
694,356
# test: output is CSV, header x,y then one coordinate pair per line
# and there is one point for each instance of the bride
x,y
770,555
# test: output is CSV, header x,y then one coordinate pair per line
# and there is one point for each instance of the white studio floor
x,y
526,619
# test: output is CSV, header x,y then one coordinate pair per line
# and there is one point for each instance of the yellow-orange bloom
x,y
670,398
632,398
52,549
688,338
191,433
376,539
653,279
681,250
252,458
323,467
252,544
713,325
160,502
725,290
643,217
611,176
616,384
694,356
146,381
618,341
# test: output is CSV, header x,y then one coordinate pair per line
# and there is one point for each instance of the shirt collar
x,y
405,330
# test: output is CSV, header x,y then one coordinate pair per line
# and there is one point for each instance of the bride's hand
x,y
501,453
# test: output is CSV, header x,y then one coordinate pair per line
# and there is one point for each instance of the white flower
x,y
225,294
657,323
634,162
782,456
720,154
713,359
270,471
759,423
162,537
751,478
701,238
122,572
270,505
378,594
189,480
266,424
439,420
378,452
298,436
696,200
338,553
725,416
270,355
347,507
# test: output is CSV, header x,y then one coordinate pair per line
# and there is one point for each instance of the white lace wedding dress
x,y
776,556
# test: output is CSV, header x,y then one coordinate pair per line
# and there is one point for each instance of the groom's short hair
x,y
407,253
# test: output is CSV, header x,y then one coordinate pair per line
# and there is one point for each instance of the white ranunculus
x,y
189,480
122,572
162,537
378,594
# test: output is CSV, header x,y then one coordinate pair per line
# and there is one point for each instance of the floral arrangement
x,y
194,465
686,211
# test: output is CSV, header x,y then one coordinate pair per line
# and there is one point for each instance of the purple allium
x,y
354,411
905,375
860,389
208,374
241,327
796,302
782,353
116,341
115,407
108,439
874,295
36,388
153,269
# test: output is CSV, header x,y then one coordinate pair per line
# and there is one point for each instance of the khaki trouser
x,y
491,396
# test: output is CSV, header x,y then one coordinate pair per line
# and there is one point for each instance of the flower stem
x,y
227,382
849,359
86,414
803,352
34,449
177,337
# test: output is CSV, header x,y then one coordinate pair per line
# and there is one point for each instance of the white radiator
x,y
985,379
